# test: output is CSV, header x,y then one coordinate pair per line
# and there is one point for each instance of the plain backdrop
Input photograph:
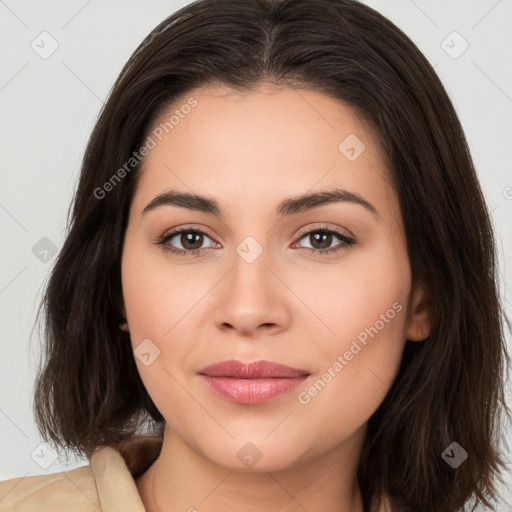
x,y
59,60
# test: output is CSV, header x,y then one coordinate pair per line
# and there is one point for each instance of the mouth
x,y
251,383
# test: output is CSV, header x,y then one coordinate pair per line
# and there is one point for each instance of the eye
x,y
190,240
322,238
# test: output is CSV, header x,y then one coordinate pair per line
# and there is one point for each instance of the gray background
x,y
48,107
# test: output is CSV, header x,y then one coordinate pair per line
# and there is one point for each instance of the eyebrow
x,y
287,207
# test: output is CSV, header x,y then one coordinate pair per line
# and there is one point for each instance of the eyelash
x,y
346,241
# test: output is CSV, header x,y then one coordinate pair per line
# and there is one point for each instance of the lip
x,y
256,370
251,383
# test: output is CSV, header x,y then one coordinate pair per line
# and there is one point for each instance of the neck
x,y
182,479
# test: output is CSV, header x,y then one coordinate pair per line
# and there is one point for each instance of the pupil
x,y
326,237
187,239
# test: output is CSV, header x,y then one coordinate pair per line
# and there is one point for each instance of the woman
x,y
281,258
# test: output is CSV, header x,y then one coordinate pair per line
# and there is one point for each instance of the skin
x,y
291,306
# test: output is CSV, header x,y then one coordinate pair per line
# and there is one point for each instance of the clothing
x,y
107,484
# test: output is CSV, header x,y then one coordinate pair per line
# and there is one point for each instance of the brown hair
x,y
449,388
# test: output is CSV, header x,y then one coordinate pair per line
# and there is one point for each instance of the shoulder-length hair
x,y
450,388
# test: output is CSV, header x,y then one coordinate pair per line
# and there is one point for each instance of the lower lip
x,y
252,391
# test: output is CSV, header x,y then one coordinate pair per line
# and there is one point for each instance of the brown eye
x,y
191,240
188,241
321,239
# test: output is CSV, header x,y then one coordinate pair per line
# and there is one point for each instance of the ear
x,y
124,324
116,295
117,300
419,322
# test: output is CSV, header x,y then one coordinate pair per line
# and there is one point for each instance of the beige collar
x,y
115,469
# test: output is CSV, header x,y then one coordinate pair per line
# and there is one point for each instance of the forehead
x,y
268,110
255,144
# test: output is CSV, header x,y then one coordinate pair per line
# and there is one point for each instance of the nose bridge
x,y
249,279
250,295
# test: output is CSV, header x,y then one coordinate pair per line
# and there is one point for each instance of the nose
x,y
252,299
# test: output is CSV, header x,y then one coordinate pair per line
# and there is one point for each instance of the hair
x,y
88,392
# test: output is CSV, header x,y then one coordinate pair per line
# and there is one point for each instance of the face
x,y
323,287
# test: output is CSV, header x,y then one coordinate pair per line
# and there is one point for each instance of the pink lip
x,y
251,383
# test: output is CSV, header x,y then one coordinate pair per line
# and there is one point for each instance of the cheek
x,y
356,369
155,297
362,308
163,305
156,302
362,299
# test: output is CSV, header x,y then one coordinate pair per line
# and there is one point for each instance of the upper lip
x,y
253,370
